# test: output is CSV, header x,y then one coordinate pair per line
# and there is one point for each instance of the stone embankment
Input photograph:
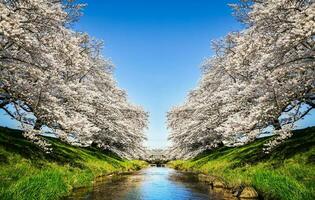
x,y
222,190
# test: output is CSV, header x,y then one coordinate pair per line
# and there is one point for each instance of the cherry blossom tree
x,y
259,77
53,76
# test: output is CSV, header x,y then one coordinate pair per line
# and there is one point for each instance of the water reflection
x,y
155,183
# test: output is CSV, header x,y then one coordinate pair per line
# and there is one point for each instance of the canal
x,y
154,183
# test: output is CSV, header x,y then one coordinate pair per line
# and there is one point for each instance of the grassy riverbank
x,y
28,173
287,173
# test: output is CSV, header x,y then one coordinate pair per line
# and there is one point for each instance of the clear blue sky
x,y
157,47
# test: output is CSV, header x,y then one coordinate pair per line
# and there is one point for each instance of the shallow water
x,y
155,183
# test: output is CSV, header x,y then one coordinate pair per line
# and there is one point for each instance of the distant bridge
x,y
157,157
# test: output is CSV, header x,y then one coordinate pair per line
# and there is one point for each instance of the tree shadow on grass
x,y
3,159
252,153
301,141
13,141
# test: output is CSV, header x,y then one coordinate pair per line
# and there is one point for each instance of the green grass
x,y
26,172
287,173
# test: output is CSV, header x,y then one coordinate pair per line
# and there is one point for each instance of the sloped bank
x,y
287,173
28,173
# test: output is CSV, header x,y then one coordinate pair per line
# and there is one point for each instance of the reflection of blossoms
x,y
58,77
263,76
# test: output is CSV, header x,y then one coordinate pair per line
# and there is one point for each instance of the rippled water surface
x,y
155,183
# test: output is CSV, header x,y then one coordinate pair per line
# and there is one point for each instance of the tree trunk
x,y
38,124
276,124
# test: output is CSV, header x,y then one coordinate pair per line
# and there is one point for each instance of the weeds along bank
x,y
26,172
287,173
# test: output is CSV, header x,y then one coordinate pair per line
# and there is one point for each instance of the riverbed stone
x,y
202,177
221,193
206,178
210,179
219,184
227,195
236,191
249,193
